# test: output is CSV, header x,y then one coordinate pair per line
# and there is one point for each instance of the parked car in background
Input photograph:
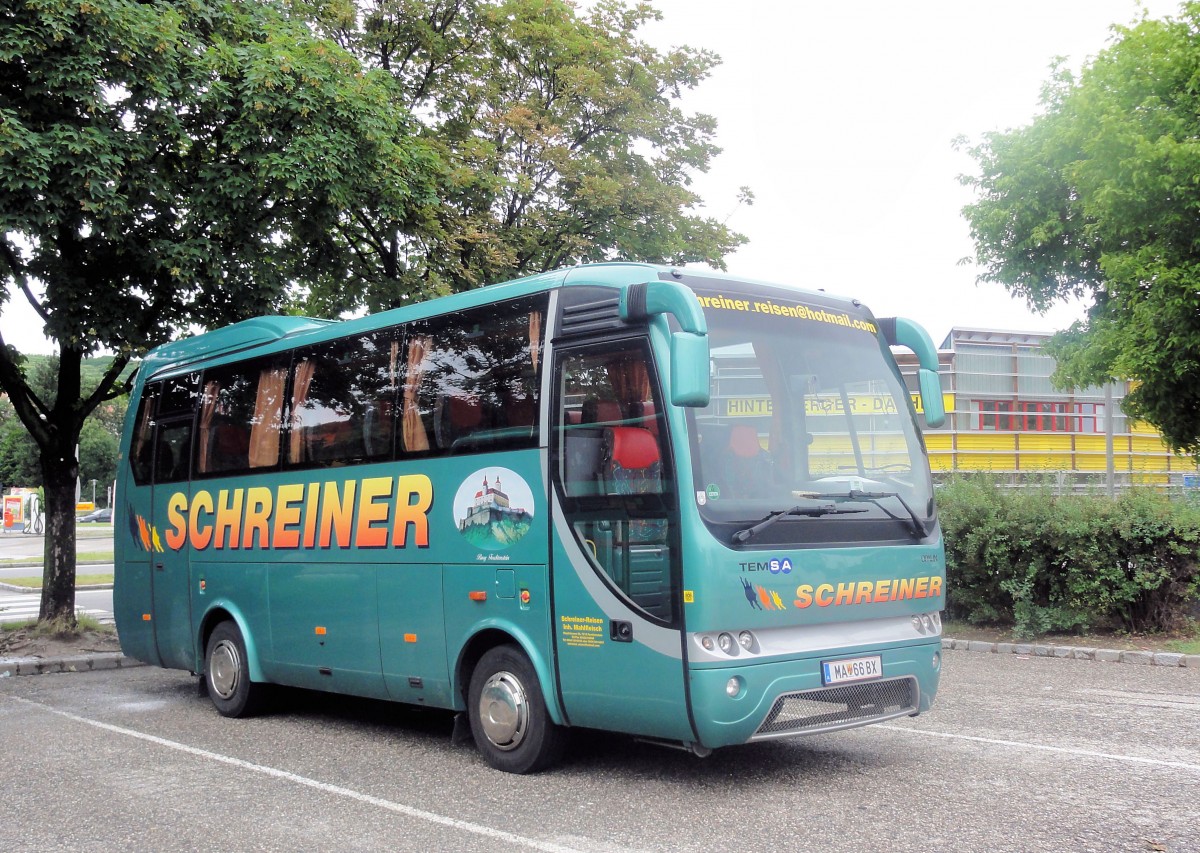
x,y
97,515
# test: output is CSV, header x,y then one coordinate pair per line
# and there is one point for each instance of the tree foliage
x,y
166,165
20,461
562,137
169,166
1098,198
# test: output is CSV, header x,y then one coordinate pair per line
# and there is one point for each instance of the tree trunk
x,y
60,471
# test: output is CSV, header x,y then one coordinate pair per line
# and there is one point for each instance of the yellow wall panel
x,y
992,442
1044,442
938,441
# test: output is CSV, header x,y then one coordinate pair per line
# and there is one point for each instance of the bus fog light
x,y
733,687
937,661
708,643
725,642
746,640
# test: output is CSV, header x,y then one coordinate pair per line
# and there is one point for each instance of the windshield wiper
x,y
918,523
812,511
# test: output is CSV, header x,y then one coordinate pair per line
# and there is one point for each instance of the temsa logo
x,y
776,566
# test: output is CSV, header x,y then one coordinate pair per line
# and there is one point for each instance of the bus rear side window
x,y
241,417
343,401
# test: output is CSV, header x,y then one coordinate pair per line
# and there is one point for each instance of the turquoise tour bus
x,y
671,503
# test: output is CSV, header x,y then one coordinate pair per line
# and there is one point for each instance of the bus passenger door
x,y
617,600
170,575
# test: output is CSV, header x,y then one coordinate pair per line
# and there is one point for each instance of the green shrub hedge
x,y
1041,562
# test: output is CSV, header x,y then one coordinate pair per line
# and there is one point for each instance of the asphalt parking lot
x,y
1018,754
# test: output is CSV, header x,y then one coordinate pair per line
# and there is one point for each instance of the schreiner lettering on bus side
x,y
375,512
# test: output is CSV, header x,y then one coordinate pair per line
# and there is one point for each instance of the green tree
x,y
19,462
1098,198
97,458
562,134
166,166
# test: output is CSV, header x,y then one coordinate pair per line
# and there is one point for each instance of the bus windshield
x,y
808,426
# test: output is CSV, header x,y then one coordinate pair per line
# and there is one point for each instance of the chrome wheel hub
x,y
224,669
504,711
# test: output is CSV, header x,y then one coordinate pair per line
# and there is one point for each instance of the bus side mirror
x,y
898,331
689,347
931,398
689,369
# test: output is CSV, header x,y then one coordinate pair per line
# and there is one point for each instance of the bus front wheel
x,y
509,720
227,673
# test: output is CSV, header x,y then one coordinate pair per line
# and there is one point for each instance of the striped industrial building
x,y
1005,417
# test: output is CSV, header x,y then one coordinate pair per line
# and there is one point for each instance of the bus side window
x,y
141,450
456,416
241,416
472,379
172,450
343,396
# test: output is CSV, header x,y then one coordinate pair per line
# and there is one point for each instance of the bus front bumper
x,y
789,698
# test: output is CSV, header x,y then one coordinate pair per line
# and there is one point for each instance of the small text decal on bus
x,y
377,512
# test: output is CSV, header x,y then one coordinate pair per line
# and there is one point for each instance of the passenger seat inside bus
x,y
597,411
456,418
645,412
748,466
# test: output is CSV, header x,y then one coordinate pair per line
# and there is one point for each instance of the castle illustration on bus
x,y
670,503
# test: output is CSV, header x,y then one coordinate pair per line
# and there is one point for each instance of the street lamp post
x,y
93,494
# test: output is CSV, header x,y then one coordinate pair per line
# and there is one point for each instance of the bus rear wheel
x,y
227,673
509,720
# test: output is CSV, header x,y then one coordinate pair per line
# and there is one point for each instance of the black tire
x,y
227,674
508,714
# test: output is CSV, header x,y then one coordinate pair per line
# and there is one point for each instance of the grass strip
x,y
80,580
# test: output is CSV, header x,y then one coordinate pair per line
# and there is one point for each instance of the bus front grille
x,y
831,708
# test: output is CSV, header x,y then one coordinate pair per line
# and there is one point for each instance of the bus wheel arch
x,y
488,638
227,671
221,612
506,706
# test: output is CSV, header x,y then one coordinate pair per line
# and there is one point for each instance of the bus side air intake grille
x,y
832,708
594,316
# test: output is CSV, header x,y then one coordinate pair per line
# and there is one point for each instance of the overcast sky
x,y
841,117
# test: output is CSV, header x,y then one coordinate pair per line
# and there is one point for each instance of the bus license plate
x,y
851,669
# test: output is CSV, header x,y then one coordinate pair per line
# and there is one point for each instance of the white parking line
x,y
338,790
1066,750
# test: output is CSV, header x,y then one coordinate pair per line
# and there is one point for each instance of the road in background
x,y
17,606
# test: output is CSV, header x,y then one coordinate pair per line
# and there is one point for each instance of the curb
x,y
73,663
1041,650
